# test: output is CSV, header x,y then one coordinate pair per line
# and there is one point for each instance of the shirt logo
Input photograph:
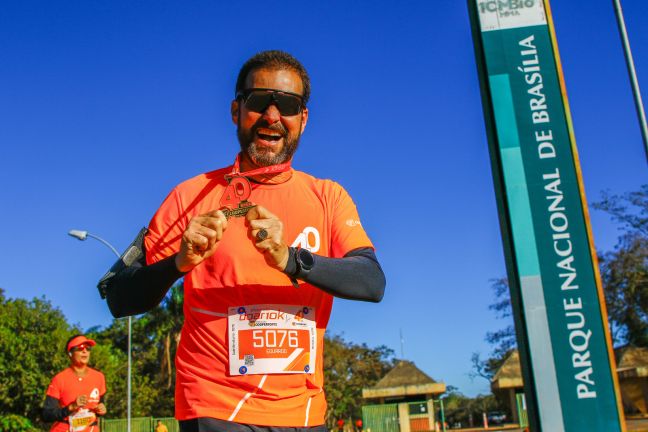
x,y
353,222
309,239
94,394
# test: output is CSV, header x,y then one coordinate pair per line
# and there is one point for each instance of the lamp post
x,y
641,114
82,235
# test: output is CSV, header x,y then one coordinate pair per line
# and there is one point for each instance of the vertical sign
x,y
557,298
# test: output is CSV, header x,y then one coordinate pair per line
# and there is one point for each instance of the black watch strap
x,y
291,265
300,263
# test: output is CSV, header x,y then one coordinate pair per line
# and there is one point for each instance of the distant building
x,y
507,383
403,400
632,371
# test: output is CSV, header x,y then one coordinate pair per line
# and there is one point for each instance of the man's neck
x,y
79,369
246,164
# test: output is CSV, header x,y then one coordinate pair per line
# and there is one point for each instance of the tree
x,y
155,337
624,274
112,362
32,340
624,271
456,407
629,209
502,341
460,409
165,325
15,423
348,368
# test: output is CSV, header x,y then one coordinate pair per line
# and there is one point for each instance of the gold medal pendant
x,y
234,202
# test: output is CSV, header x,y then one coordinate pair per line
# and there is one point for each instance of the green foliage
x,y
502,341
624,271
625,277
456,407
32,339
155,337
15,423
630,210
348,368
460,409
112,362
33,334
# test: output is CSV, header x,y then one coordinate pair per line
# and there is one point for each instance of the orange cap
x,y
78,341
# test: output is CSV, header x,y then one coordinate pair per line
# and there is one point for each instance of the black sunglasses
x,y
259,99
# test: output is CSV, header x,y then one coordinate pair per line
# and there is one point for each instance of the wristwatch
x,y
304,261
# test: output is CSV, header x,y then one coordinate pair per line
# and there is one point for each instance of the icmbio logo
x,y
505,6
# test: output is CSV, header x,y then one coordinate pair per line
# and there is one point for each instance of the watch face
x,y
305,259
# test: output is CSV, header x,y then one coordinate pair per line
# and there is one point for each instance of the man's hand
x,y
200,239
100,409
273,247
80,402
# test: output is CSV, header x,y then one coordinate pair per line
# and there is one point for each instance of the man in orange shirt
x,y
263,249
75,395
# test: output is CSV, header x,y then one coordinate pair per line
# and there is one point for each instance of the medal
x,y
234,201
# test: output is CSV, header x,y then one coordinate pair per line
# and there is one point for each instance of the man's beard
x,y
261,157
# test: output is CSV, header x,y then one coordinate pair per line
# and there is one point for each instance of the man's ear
x,y
304,119
234,110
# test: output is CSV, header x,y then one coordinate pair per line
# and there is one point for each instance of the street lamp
x,y
632,73
82,235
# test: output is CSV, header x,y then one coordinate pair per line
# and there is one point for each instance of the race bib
x,y
272,339
81,420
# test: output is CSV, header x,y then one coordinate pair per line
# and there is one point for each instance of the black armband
x,y
131,287
52,411
356,276
102,399
134,255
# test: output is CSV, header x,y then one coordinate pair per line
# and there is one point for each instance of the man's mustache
x,y
277,127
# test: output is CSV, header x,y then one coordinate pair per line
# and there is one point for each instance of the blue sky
x,y
105,106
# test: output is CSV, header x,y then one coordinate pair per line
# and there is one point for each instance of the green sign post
x,y
565,349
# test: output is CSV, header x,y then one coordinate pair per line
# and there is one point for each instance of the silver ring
x,y
262,234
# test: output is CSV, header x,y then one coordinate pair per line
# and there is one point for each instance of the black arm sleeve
x,y
52,411
357,276
139,288
102,399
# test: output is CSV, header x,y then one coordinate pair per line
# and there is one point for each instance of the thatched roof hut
x,y
509,374
632,369
632,361
404,380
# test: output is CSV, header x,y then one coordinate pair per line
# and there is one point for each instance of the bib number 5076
x,y
274,338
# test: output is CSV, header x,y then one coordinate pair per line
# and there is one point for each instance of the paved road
x,y
632,425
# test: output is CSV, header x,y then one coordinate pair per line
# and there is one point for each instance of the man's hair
x,y
274,60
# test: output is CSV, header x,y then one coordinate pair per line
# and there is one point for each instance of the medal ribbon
x,y
272,169
238,188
